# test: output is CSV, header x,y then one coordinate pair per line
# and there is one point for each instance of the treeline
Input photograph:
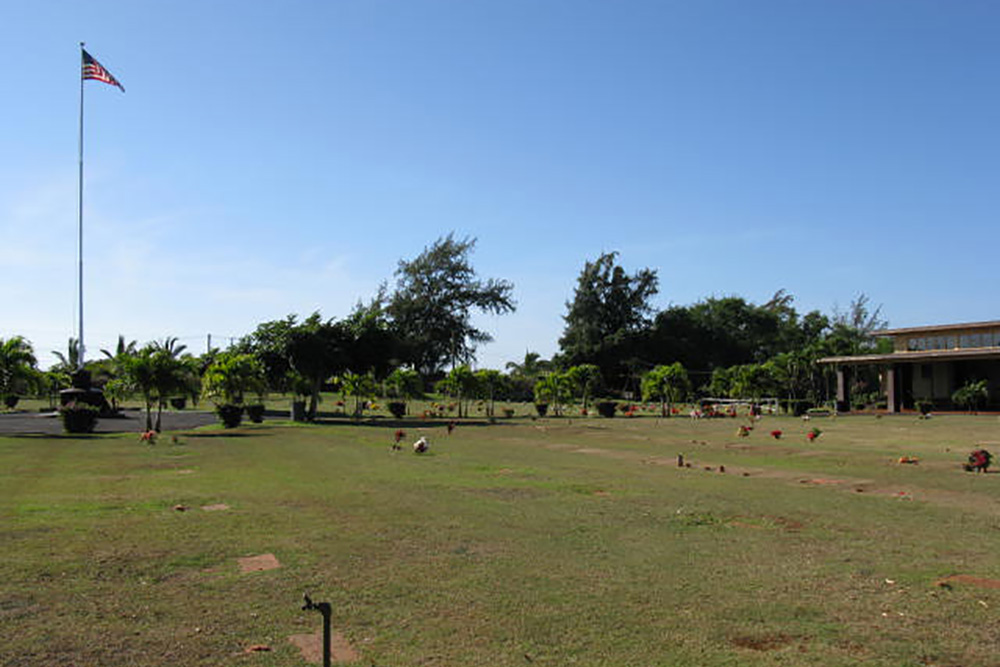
x,y
725,346
419,337
421,328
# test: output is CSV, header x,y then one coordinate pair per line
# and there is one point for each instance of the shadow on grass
x,y
413,422
42,435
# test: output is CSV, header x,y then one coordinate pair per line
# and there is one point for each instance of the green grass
x,y
555,542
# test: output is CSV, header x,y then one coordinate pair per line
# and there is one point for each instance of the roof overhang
x,y
928,356
940,328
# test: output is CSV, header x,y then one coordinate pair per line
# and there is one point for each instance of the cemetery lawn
x,y
529,542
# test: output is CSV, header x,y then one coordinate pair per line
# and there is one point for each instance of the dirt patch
x,y
763,643
791,525
218,507
969,579
185,471
312,647
258,563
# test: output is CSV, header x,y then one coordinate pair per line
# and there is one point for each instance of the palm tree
x,y
532,366
17,366
122,349
110,370
157,374
69,362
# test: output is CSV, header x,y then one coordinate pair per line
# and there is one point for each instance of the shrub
x,y
255,412
397,408
542,409
607,408
230,415
178,402
972,395
10,401
508,412
77,418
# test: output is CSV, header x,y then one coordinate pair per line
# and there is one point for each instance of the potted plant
x,y
78,417
607,408
255,412
230,415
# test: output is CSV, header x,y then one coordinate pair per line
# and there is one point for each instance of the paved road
x,y
131,421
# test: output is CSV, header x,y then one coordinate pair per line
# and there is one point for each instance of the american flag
x,y
94,70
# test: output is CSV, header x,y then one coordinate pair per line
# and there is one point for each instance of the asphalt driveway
x,y
48,423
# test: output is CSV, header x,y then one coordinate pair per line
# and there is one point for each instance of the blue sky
x,y
276,158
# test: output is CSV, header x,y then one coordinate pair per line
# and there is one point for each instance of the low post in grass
x,y
327,610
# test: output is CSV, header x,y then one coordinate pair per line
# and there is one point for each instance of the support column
x,y
843,390
892,392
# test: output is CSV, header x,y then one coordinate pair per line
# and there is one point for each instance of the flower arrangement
x,y
979,460
813,434
776,434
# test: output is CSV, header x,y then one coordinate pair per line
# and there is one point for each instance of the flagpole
x,y
79,243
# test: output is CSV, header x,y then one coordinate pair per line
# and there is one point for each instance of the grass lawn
x,y
555,542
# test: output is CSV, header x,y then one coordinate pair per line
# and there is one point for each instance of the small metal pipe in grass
x,y
325,609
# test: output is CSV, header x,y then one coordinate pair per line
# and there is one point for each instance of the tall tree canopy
x,y
609,308
436,295
720,332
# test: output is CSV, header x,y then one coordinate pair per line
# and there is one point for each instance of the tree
x,y
109,370
585,378
532,366
608,311
232,376
317,351
358,385
721,383
729,331
460,383
753,381
436,295
68,363
404,383
522,376
17,366
488,383
372,344
270,343
667,384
